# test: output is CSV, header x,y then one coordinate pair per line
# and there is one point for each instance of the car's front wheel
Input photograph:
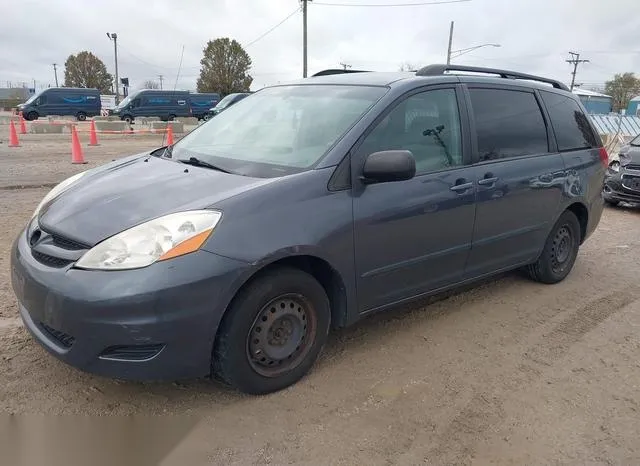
x,y
560,251
273,332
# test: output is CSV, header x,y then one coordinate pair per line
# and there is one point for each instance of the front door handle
x,y
460,188
488,181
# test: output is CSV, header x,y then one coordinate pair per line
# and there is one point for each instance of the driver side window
x,y
428,125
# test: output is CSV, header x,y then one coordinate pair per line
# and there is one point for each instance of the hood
x,y
118,196
629,155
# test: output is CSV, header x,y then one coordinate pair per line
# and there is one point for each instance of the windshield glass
x,y
635,141
279,130
33,97
225,101
127,101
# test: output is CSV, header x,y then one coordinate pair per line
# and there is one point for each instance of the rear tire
x,y
128,119
81,116
31,116
560,251
171,118
272,333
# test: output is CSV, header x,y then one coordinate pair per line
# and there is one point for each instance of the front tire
x,y
31,116
560,251
81,116
272,333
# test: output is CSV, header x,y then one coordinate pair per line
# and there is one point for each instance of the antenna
x,y
175,85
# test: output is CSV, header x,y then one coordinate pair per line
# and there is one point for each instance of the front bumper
x,y
154,323
622,186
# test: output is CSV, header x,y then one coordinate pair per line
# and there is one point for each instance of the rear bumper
x,y
156,323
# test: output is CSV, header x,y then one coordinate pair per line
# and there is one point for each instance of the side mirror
x,y
389,165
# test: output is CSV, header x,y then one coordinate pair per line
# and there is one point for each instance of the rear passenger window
x,y
508,124
569,122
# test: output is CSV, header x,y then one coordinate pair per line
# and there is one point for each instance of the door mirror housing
x,y
389,165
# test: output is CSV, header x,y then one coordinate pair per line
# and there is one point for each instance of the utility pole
x,y
160,77
345,65
304,38
55,72
450,42
113,36
575,61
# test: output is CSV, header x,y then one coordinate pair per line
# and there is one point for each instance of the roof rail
x,y
337,71
436,70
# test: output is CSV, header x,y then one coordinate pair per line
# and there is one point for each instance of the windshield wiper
x,y
201,163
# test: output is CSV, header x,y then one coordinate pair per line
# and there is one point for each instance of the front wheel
x,y
560,251
272,333
31,116
81,116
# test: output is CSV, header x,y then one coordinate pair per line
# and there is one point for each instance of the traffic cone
x,y
23,127
13,135
76,148
169,134
93,136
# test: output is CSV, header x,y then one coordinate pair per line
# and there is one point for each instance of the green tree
x,y
225,67
87,70
622,88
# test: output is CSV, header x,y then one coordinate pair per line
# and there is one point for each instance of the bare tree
x,y
151,84
406,66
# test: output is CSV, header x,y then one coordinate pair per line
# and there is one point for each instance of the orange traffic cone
x,y
13,135
169,134
23,127
93,136
76,149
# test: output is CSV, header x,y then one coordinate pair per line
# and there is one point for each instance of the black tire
x,y
257,360
128,119
171,118
32,116
81,116
560,251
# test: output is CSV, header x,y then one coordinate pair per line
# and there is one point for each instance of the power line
x,y
274,27
575,61
443,2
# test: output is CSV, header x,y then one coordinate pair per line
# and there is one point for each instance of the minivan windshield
x,y
126,101
279,130
33,97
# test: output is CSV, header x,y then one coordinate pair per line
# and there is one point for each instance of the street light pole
x,y
469,49
55,72
113,36
450,42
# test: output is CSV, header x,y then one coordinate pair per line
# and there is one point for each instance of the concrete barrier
x,y
188,121
47,128
146,120
111,126
5,119
176,126
106,118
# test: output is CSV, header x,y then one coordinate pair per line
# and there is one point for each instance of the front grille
x,y
65,243
49,260
132,352
64,339
632,166
631,182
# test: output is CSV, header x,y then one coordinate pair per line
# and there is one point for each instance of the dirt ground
x,y
509,372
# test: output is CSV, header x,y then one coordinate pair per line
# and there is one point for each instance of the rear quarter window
x,y
571,125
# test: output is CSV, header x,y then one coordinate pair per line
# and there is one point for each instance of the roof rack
x,y
436,70
337,71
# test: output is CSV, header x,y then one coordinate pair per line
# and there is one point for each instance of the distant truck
x,y
202,102
164,104
64,101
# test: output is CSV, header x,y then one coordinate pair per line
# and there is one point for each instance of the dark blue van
x,y
73,101
202,102
166,105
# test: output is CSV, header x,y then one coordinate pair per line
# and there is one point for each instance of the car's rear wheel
x,y
81,116
560,251
272,333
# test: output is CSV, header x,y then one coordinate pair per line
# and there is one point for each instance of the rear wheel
x,y
272,333
81,116
127,118
560,251
32,116
171,117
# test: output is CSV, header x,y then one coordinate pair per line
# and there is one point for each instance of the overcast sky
x,y
535,36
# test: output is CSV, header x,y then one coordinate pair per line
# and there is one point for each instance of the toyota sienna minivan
x,y
308,206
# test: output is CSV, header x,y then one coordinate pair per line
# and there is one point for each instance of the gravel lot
x,y
508,372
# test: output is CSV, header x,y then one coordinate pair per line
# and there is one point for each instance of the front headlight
x,y
162,238
57,190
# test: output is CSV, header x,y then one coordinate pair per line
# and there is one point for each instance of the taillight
x,y
604,157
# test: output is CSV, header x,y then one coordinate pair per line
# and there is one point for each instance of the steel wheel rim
x,y
281,335
562,248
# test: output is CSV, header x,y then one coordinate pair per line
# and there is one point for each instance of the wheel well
x,y
582,214
326,275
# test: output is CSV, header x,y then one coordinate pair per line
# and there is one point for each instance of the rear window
x,y
508,123
569,122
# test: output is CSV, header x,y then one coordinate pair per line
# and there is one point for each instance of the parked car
x,y
201,103
65,101
308,206
225,103
166,105
622,182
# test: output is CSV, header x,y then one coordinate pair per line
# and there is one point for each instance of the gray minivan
x,y
307,206
66,101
